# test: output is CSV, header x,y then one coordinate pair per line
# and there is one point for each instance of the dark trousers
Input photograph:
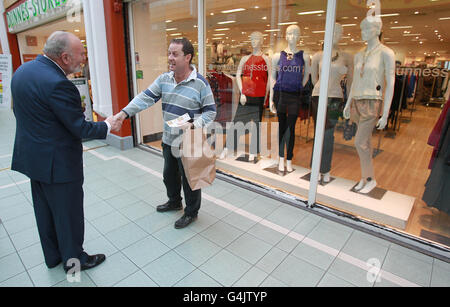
x,y
334,111
173,176
60,220
288,108
252,111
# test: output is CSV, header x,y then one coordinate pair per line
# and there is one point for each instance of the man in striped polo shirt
x,y
182,90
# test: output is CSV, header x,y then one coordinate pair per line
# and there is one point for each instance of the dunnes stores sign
x,y
32,13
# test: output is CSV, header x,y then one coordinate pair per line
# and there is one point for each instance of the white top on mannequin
x,y
292,37
343,64
256,39
374,67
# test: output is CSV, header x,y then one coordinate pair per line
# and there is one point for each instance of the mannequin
x,y
374,67
290,73
252,80
342,64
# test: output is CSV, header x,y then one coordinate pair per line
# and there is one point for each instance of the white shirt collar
x,y
56,64
192,76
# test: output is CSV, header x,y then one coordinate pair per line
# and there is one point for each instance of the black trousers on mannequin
x,y
252,111
334,111
288,108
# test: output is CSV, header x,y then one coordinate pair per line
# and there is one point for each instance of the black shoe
x,y
184,221
169,207
91,262
51,266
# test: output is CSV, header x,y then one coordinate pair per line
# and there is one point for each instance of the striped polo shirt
x,y
192,96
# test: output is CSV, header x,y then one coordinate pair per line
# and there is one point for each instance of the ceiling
x,y
422,32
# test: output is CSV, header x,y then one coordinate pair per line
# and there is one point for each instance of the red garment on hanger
x,y
435,135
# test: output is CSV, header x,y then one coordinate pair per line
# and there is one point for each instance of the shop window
x,y
155,24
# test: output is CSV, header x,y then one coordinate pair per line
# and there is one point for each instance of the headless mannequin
x,y
257,40
376,60
342,63
292,37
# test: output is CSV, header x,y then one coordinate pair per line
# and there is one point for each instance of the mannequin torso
x,y
341,65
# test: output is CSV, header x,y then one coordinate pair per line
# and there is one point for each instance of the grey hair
x,y
57,44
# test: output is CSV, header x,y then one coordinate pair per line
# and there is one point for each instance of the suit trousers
x,y
365,113
60,220
174,176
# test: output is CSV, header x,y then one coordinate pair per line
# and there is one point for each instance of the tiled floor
x,y
240,238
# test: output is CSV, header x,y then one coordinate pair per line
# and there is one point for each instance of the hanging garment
x,y
437,187
435,135
305,100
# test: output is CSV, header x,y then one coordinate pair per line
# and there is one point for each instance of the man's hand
x,y
116,121
115,124
186,126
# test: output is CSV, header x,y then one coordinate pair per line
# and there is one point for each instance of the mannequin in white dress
x,y
374,67
289,74
341,65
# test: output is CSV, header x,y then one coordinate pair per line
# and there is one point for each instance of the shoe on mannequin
x,y
251,157
370,185
281,165
289,165
224,154
360,185
326,177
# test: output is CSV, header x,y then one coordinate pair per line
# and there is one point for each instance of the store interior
x,y
32,42
415,31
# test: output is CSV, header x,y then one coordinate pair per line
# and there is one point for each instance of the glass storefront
x,y
387,89
32,42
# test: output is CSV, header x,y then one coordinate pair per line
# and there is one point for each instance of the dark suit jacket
x,y
50,124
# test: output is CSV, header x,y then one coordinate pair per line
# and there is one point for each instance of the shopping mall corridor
x,y
239,239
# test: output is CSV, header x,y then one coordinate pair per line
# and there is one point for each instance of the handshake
x,y
116,121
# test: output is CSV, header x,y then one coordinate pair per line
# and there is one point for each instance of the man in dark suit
x,y
50,126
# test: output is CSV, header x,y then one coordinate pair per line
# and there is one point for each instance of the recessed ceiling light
x,y
233,10
389,15
171,29
401,27
310,12
226,22
287,23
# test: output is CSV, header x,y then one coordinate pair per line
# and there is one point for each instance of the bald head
x,y
58,43
65,49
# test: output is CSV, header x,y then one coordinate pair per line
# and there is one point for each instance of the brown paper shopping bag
x,y
198,159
